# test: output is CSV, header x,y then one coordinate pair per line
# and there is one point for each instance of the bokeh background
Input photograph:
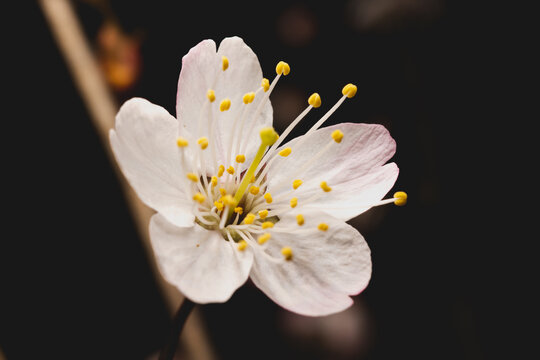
x,y
75,280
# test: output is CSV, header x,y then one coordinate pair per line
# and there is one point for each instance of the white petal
x,y
243,75
144,144
353,169
326,268
201,71
199,262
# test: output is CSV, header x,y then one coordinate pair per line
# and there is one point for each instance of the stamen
x,y
249,219
294,202
254,190
181,142
214,181
287,253
239,210
296,183
401,198
283,68
264,238
211,95
349,90
300,219
325,187
219,205
263,214
199,197
193,177
203,142
315,100
240,158
322,226
221,170
224,63
248,98
230,170
222,191
285,152
225,105
268,197
337,135
242,245
265,84
267,225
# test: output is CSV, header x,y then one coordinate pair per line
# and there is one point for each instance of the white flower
x,y
232,203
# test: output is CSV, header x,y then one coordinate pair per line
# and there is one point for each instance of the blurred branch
x,y
102,107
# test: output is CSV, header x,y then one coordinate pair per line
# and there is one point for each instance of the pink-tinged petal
x,y
144,144
354,169
327,266
199,262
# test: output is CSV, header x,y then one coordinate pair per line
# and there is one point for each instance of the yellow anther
x,y
325,187
224,105
322,226
222,191
283,68
349,90
211,95
267,225
224,63
268,136
268,197
296,183
264,238
242,245
265,84
199,197
294,202
214,181
193,177
228,200
240,158
203,142
230,170
218,205
263,214
249,97
221,170
300,219
249,219
287,253
401,198
239,210
315,100
254,190
181,142
285,152
337,135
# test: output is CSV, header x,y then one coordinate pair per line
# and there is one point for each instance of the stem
x,y
168,351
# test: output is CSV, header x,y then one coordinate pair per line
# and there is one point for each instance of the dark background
x,y
75,281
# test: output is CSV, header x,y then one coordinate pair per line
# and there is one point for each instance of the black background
x,y
75,281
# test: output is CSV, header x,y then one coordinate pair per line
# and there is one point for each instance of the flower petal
x,y
199,262
243,75
353,169
327,266
201,71
144,144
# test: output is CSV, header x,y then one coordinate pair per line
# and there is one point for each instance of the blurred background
x,y
76,282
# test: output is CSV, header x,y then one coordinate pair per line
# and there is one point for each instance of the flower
x,y
232,202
